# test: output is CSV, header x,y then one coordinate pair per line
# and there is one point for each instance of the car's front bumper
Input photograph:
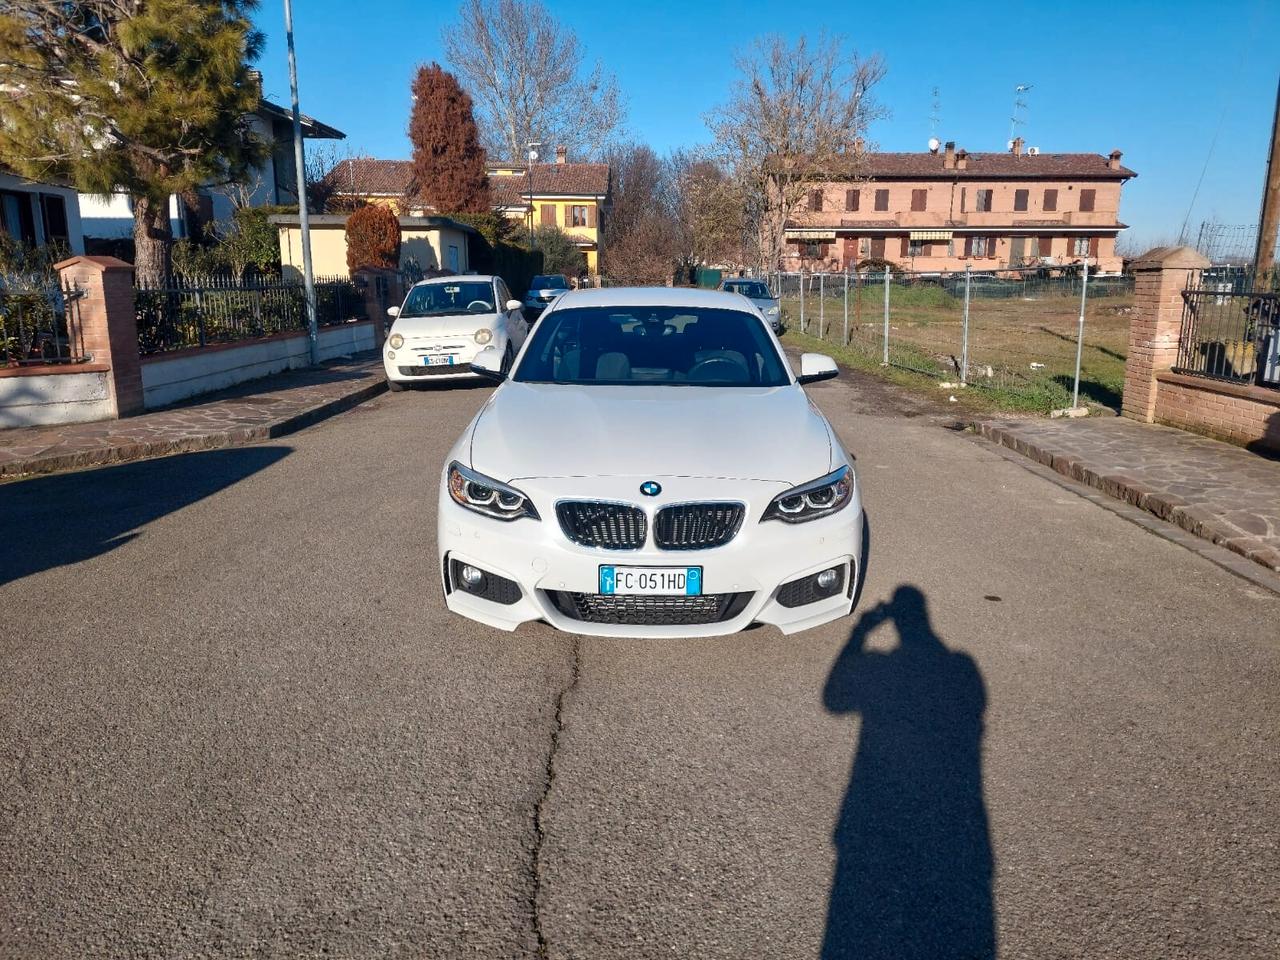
x,y
536,556
405,366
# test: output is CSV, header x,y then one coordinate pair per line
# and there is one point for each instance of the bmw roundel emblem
x,y
650,488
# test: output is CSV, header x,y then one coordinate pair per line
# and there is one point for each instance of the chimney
x,y
1016,149
1113,160
562,154
949,156
962,159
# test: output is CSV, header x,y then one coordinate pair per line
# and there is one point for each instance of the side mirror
x,y
393,311
488,364
817,366
514,305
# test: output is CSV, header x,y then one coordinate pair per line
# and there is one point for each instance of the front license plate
x,y
437,361
651,581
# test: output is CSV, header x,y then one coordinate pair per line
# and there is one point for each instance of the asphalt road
x,y
237,721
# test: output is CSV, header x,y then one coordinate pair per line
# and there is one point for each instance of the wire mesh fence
x,y
1015,332
197,312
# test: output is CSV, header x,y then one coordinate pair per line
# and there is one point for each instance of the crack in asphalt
x,y
549,779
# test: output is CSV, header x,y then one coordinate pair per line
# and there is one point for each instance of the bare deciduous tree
x,y
522,68
709,209
797,113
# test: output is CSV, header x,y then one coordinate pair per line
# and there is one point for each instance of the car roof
x,y
649,297
455,277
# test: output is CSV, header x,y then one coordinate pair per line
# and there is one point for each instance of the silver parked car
x,y
544,289
757,291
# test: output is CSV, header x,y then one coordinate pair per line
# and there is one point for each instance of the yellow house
x,y
430,243
571,196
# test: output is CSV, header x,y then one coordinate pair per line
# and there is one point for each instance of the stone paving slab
x,y
1224,494
247,413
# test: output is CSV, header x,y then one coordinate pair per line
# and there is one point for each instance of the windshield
x,y
449,298
549,283
753,289
689,346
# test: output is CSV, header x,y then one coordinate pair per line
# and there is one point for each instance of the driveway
x,y
236,721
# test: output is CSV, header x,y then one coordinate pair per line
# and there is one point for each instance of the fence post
x,y
822,304
887,277
1084,292
846,306
964,335
103,319
1160,277
802,300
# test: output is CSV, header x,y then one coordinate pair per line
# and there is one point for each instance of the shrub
x,y
559,253
373,238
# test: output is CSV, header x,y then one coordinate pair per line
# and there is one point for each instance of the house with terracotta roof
x,y
571,196
948,209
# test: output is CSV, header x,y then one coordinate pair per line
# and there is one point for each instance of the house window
x,y
918,200
548,214
984,201
852,198
815,201
812,249
1086,200
918,248
15,216
578,216
1080,247
864,247
877,248
1046,246
979,247
1050,201
882,199
1020,201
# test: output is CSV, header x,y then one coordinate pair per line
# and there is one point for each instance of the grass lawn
x,y
1021,351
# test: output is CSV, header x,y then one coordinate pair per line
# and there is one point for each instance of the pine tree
x,y
150,98
448,162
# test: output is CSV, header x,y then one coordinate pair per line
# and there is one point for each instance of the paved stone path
x,y
257,410
1216,491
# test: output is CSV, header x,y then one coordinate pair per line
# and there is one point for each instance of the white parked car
x,y
650,467
444,322
543,289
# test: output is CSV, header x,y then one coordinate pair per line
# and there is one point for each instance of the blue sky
x,y
1164,82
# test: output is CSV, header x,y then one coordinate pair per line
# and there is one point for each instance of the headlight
x,y
485,495
396,341
483,336
773,311
809,501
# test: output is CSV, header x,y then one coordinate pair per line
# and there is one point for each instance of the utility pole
x,y
304,218
1269,220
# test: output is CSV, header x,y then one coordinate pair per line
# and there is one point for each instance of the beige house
x,y
429,243
948,209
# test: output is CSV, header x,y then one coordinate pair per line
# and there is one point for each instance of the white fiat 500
x,y
444,322
650,467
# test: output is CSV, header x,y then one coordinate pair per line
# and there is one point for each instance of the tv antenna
x,y
936,117
1019,104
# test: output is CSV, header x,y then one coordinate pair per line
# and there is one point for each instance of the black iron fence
x,y
197,312
34,328
1230,335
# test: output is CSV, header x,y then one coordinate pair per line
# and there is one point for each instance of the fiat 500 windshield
x,y
647,345
449,299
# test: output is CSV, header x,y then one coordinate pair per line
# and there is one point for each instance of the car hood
x,y
745,433
462,325
764,305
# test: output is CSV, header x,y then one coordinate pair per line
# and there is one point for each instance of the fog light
x,y
827,579
472,577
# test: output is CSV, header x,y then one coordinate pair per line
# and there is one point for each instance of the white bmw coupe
x,y
650,467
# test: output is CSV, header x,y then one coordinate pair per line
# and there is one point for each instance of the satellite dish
x,y
1033,151
1009,145
934,144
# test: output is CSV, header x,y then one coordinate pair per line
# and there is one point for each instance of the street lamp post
x,y
528,177
304,219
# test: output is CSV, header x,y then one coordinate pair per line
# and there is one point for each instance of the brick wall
x,y
1249,416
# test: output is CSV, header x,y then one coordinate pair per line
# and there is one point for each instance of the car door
x,y
517,326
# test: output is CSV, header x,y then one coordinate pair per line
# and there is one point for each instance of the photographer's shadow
x,y
914,860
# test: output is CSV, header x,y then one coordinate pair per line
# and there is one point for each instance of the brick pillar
x,y
1161,276
104,318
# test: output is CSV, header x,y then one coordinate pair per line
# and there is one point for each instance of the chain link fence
x,y
1015,333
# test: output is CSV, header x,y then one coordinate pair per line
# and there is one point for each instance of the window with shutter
x,y
906,248
964,196
1050,201
918,200
1020,201
877,248
1046,246
591,216
984,201
1093,246
852,199
549,214
815,200
1086,200
882,199
968,246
